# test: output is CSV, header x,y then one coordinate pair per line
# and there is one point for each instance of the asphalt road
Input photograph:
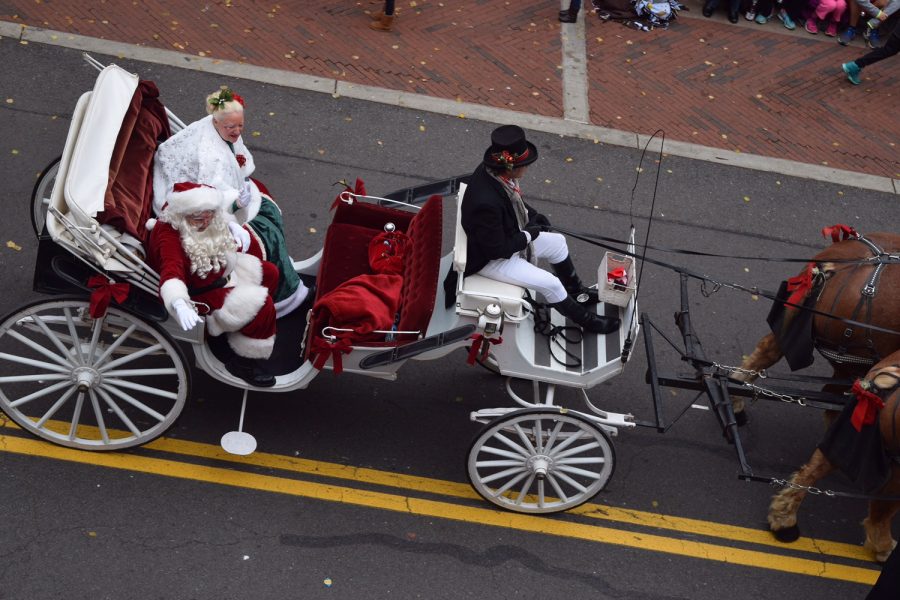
x,y
73,529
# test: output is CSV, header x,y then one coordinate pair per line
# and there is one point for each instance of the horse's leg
x,y
766,354
785,504
878,523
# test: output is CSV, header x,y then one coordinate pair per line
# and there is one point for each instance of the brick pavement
x,y
746,88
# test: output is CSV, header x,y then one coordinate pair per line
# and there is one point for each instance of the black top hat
x,y
509,149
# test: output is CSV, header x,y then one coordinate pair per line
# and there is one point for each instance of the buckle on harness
x,y
868,290
848,332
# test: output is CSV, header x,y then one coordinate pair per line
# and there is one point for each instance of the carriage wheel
x,y
40,195
539,460
94,384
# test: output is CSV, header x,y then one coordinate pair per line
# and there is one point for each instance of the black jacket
x,y
489,220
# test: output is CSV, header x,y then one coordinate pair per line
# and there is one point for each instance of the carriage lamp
x,y
491,319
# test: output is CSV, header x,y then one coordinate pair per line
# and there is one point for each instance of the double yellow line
x,y
817,567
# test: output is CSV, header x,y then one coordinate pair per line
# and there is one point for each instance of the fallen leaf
x,y
9,100
746,198
312,229
13,246
256,134
421,128
569,159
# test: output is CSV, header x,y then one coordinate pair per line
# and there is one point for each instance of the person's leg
x,y
570,15
890,48
518,271
849,34
384,20
389,7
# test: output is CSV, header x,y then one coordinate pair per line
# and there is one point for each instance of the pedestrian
x,y
734,7
383,20
570,15
890,48
504,234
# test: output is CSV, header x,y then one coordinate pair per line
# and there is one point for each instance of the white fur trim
x,y
247,270
249,347
194,200
292,302
241,305
150,224
171,290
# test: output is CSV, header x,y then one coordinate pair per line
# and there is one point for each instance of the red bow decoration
x,y
359,189
104,291
799,287
238,99
322,348
242,160
839,233
481,344
867,404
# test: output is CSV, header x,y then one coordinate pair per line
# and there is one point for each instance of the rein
x,y
595,240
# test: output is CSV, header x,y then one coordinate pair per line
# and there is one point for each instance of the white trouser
x,y
518,271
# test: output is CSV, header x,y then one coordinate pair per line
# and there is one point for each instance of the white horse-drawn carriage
x,y
122,377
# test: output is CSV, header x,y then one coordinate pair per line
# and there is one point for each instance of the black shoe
x,y
733,16
249,370
708,9
566,16
588,320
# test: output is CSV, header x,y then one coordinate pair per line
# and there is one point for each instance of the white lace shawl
x,y
198,154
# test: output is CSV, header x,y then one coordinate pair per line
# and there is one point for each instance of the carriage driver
x,y
504,233
194,248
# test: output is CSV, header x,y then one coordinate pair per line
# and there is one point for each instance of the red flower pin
x,y
242,160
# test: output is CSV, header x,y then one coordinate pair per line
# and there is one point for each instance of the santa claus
x,y
194,247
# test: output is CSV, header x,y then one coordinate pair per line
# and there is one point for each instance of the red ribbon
x,y
799,287
104,291
478,339
867,404
322,348
359,189
839,233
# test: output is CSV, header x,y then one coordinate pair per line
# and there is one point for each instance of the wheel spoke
x,y
523,492
542,501
483,464
38,348
38,394
56,406
519,449
141,372
34,363
101,424
559,474
39,377
135,403
130,357
119,413
76,340
504,473
585,460
54,339
557,488
95,335
140,388
538,431
76,416
509,484
577,450
118,342
525,441
517,456
570,439
577,471
551,440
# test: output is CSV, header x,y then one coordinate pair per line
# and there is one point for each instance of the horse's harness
x,y
839,353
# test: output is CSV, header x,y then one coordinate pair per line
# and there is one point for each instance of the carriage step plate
x,y
415,348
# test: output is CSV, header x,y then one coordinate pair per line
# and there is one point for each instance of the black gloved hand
x,y
540,220
533,231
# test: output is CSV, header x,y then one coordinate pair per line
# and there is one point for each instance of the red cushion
x,y
421,266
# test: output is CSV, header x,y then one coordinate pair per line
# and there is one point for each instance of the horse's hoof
x,y
741,418
787,535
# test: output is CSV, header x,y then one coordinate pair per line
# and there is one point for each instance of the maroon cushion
x,y
421,266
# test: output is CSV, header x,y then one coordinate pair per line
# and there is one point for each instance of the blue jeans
x,y
574,6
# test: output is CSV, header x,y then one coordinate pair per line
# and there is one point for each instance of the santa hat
x,y
187,198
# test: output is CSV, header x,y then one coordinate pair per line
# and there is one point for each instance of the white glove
x,y
241,237
187,316
245,195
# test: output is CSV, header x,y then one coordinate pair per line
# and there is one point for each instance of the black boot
x,y
249,370
568,16
565,270
588,320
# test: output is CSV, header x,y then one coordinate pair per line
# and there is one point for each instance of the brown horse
x,y
864,292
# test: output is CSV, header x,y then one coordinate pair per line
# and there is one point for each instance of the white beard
x,y
207,250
